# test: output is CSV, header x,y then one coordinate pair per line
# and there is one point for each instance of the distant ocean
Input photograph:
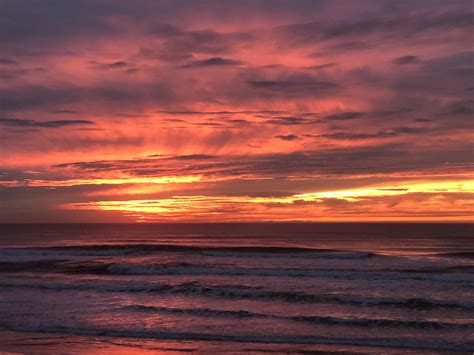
x,y
138,288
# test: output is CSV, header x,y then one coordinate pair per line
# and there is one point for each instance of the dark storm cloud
x,y
344,116
289,137
389,133
411,130
193,157
198,113
380,24
289,121
345,47
16,72
43,124
207,124
115,65
292,86
215,61
448,75
52,21
408,59
387,158
375,159
239,121
461,108
8,61
206,41
63,111
186,43
355,136
322,66
104,94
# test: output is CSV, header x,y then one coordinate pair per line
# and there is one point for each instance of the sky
x,y
226,111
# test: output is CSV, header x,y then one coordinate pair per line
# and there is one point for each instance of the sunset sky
x,y
249,110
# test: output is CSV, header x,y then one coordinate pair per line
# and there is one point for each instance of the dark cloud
x,y
16,72
63,111
344,116
193,157
175,120
356,136
398,25
215,61
184,44
8,61
461,108
289,121
294,87
389,133
239,121
385,158
114,65
448,76
43,124
207,124
408,59
322,66
345,47
411,130
53,22
103,94
269,112
290,137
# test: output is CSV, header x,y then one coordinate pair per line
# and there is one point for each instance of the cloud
x,y
8,61
345,47
356,136
114,65
289,121
290,137
43,124
408,59
193,157
278,85
461,108
292,87
185,44
211,62
322,66
102,94
397,25
303,94
344,116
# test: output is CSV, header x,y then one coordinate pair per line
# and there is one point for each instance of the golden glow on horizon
x,y
308,206
393,190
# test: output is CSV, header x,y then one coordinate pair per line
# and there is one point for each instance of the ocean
x,y
283,287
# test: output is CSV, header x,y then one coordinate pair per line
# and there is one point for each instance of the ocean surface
x,y
139,288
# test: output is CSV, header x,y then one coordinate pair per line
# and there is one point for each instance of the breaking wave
x,y
239,292
206,312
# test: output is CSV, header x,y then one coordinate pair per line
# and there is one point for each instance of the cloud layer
x,y
224,111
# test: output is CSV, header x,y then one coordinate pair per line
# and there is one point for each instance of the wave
x,y
164,335
448,274
138,269
144,249
206,312
233,292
